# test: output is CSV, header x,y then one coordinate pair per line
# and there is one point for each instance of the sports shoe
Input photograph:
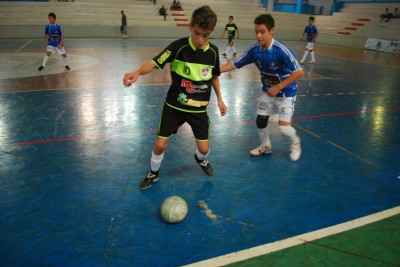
x,y
205,165
262,149
234,54
149,180
295,149
41,68
312,62
224,55
67,67
301,62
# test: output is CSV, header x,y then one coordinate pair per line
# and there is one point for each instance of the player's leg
x,y
64,57
286,108
200,124
50,49
264,110
311,49
169,123
305,53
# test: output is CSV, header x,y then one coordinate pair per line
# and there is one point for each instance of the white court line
x,y
296,240
23,46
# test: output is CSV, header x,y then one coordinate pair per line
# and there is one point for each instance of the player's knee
x,y
262,121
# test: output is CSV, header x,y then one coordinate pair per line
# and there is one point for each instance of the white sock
x,y
155,161
304,55
234,49
263,133
201,156
45,59
65,61
312,55
290,132
227,50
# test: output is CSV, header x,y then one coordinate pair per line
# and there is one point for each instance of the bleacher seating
x,y
97,18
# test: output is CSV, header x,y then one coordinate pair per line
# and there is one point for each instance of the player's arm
x,y
227,67
131,77
60,44
221,105
223,34
274,90
237,32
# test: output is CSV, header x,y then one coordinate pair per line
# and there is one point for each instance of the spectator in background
x,y
387,15
176,6
124,25
163,12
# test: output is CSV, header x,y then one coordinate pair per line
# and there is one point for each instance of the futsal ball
x,y
174,209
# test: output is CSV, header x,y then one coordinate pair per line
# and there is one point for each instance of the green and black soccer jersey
x,y
192,70
231,29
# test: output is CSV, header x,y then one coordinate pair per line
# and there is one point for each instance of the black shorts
x,y
172,119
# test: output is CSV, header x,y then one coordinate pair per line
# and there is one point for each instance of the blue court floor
x,y
75,145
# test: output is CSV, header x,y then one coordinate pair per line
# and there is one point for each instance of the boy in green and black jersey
x,y
194,64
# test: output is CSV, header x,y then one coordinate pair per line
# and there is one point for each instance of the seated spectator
x,y
163,12
176,6
387,15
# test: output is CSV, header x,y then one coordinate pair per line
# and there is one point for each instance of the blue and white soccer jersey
x,y
275,64
311,32
54,34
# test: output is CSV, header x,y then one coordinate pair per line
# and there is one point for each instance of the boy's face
x,y
199,36
310,22
263,35
52,19
230,20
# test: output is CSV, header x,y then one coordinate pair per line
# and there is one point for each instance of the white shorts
x,y
283,106
310,46
56,50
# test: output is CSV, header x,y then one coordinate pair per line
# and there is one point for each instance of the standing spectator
x,y
385,15
163,12
279,71
124,25
54,39
231,28
312,33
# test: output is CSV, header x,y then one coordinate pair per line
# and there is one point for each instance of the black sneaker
x,y
149,180
205,165
234,54
67,67
40,68
224,55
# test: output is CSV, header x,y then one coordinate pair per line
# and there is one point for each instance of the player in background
x,y
279,70
312,33
232,29
54,39
194,65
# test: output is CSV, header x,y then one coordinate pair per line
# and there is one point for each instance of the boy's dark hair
x,y
204,17
265,19
311,18
231,17
52,14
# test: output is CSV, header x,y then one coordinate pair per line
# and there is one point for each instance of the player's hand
x,y
130,78
222,108
273,91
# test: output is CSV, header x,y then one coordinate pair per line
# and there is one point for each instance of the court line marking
x,y
298,240
22,46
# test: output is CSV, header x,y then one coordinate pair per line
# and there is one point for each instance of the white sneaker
x,y
312,62
301,62
295,149
261,150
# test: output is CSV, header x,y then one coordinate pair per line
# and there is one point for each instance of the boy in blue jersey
x,y
232,29
54,39
279,70
312,33
194,65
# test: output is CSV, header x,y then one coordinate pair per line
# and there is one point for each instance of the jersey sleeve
x,y
245,59
166,56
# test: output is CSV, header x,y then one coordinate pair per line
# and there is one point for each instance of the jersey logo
x,y
164,57
205,72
